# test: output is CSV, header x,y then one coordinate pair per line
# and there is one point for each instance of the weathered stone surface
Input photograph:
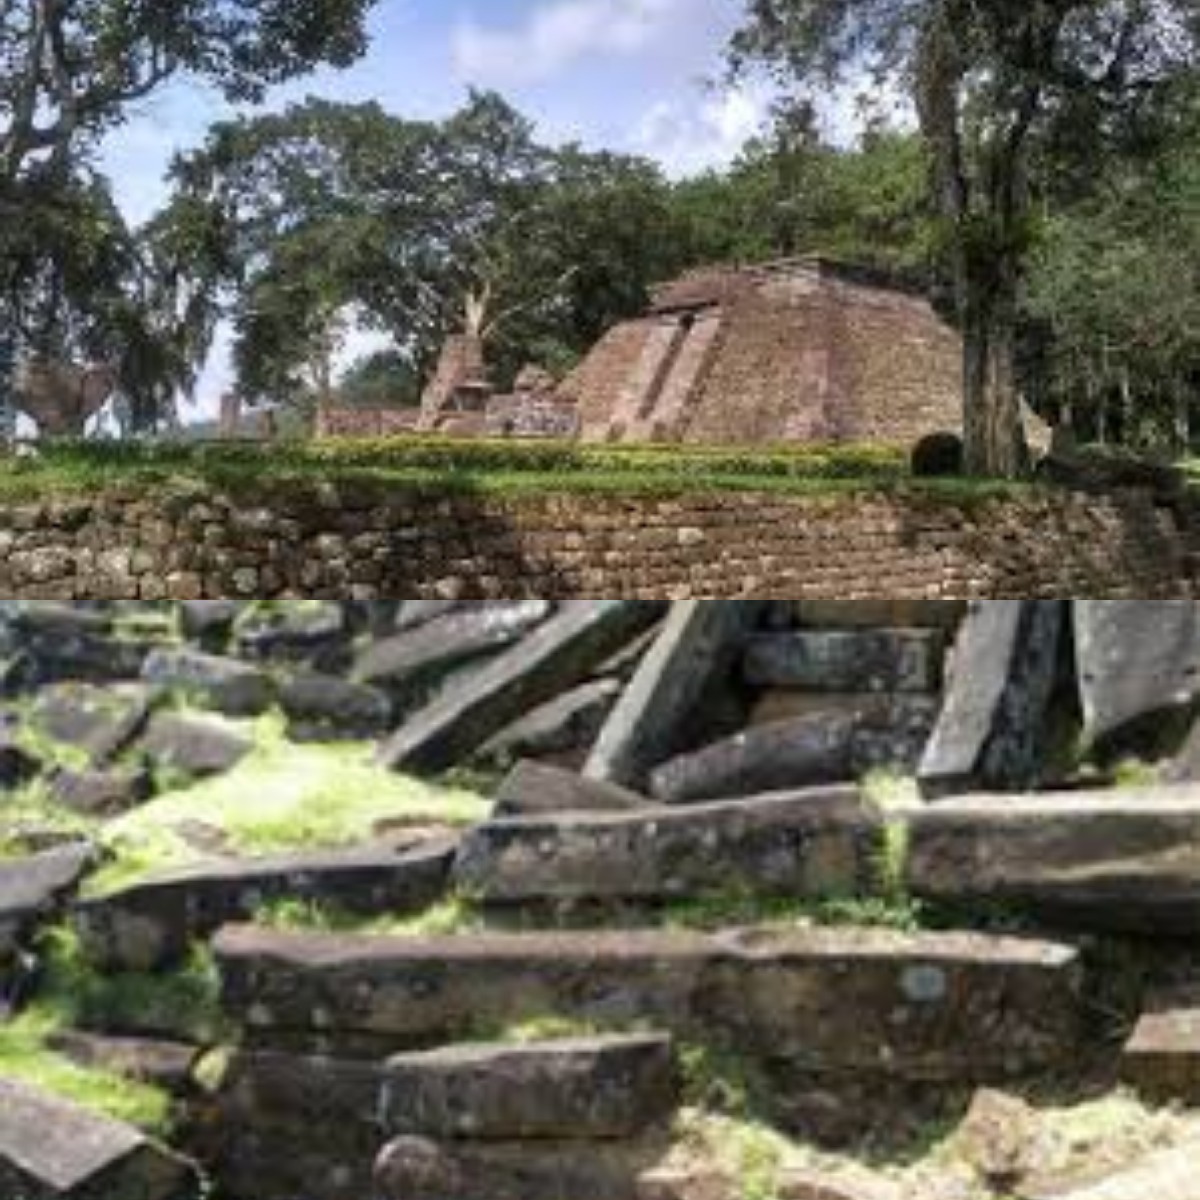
x,y
808,845
1167,1175
846,1184
314,633
419,612
169,1065
415,1167
551,659
156,922
32,889
876,614
325,707
864,660
994,730
1003,1141
99,722
684,1183
194,746
228,685
1162,1057
1120,862
579,1090
51,1149
966,1008
1138,660
566,726
820,748
535,789
69,642
102,793
410,664
18,763
209,623
696,650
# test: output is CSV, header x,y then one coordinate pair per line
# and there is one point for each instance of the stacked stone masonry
x,y
366,541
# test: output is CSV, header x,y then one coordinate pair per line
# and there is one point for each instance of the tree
x,y
989,80
417,229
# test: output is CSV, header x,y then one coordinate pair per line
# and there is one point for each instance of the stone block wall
x,y
366,541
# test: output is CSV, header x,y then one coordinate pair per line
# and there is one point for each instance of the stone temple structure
x,y
801,350
796,351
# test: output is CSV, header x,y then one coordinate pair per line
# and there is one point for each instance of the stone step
x,y
1167,1175
52,1149
863,660
811,845
156,922
1113,861
959,1007
535,789
588,1089
1162,1058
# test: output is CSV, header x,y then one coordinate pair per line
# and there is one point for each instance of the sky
x,y
630,75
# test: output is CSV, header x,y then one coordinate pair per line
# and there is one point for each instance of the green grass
x,y
26,1056
450,917
474,466
283,797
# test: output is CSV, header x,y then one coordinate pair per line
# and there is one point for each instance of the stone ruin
x,y
61,398
679,869
797,351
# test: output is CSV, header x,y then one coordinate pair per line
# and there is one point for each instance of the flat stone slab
x,y
51,1149
1118,861
1162,1058
809,845
198,747
966,1008
97,721
554,657
156,922
169,1065
863,660
575,1090
994,729
416,1167
1138,660
227,685
535,789
32,889
566,726
697,649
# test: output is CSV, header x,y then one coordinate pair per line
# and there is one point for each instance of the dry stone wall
x,y
365,541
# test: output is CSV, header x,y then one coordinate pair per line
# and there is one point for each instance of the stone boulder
x,y
226,685
696,653
99,722
104,793
52,1149
311,632
1165,1175
1162,1057
810,845
209,623
34,889
553,658
329,708
995,731
534,789
196,747
576,1090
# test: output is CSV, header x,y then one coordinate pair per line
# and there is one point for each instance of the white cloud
x,y
690,137
558,34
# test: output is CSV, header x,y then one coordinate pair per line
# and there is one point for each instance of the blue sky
x,y
622,74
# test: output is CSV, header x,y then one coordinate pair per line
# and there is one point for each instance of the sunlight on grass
x,y
26,1057
284,797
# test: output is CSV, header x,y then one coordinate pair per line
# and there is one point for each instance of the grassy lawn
x,y
486,467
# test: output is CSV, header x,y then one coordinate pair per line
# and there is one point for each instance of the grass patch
x,y
283,797
453,916
26,1056
475,466
745,909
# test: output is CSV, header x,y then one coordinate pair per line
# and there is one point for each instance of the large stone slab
x,y
33,889
196,747
97,721
562,729
860,660
1162,1057
696,651
577,1090
329,708
808,845
51,1149
535,789
995,728
1138,661
843,744
416,1167
71,642
227,685
557,655
156,922
413,661
1115,861
961,1008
